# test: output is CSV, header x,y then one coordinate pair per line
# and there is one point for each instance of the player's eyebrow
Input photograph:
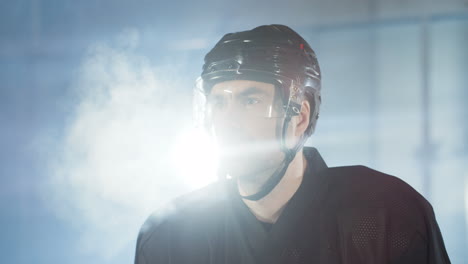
x,y
248,91
252,90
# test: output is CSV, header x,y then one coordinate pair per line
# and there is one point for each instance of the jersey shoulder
x,y
362,187
360,180
187,215
374,208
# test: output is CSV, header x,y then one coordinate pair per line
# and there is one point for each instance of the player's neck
x,y
269,208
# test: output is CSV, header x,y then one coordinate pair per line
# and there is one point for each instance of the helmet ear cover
x,y
314,98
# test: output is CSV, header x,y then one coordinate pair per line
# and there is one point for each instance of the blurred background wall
x,y
95,97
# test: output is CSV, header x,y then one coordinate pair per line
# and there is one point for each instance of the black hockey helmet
x,y
273,54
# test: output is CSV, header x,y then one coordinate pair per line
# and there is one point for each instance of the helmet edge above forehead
x,y
270,48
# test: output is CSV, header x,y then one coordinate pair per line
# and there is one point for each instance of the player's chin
x,y
244,168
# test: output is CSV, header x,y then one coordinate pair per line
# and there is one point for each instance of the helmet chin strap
x,y
271,183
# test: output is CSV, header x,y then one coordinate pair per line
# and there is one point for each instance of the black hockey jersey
x,y
347,215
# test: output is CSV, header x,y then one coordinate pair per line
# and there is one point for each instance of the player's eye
x,y
250,101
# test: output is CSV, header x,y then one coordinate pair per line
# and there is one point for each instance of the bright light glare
x,y
112,167
195,158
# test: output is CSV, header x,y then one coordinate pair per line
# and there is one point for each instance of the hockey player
x,y
276,200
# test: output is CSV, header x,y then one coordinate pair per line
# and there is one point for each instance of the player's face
x,y
246,118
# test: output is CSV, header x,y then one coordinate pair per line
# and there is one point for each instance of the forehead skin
x,y
239,87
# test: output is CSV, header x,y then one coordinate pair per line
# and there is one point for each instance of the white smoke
x,y
116,162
